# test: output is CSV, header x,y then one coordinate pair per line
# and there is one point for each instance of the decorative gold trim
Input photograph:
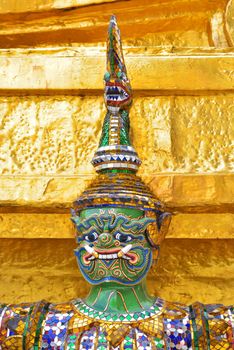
x,y
136,296
99,292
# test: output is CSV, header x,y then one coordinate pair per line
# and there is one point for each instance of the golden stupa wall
x,y
179,56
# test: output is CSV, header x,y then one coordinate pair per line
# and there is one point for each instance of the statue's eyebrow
x,y
111,222
133,225
85,224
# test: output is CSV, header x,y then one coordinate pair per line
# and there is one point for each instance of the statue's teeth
x,y
109,257
126,257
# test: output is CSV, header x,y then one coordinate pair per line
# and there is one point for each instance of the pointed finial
x,y
115,152
116,74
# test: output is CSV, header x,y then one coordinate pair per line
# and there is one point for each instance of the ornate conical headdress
x,y
115,160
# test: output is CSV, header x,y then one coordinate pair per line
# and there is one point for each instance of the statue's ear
x,y
157,230
74,218
156,254
163,221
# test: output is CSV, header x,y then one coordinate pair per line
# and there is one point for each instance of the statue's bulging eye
x,y
120,75
122,237
107,76
91,237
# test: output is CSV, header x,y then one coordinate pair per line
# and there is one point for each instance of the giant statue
x,y
120,226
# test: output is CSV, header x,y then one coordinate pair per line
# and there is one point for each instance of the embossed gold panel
x,y
188,270
42,135
179,56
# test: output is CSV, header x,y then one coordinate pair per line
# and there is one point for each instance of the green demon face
x,y
112,245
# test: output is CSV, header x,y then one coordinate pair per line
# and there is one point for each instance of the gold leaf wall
x,y
179,56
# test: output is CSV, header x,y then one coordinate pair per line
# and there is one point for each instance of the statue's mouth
x,y
115,93
110,254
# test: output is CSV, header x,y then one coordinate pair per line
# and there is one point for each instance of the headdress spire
x,y
115,152
116,160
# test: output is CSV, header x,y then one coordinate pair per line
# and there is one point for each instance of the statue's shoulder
x,y
56,324
28,324
13,320
205,324
198,325
213,324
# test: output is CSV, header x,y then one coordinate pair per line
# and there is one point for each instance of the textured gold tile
x,y
171,24
181,70
59,134
52,225
189,193
188,270
14,6
229,21
33,70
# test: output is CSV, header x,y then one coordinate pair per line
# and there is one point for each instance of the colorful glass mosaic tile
x,y
143,341
88,339
55,330
178,333
128,342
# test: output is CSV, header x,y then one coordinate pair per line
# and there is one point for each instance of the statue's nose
x,y
105,239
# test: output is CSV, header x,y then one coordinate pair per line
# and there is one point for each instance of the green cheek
x,y
139,256
118,270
